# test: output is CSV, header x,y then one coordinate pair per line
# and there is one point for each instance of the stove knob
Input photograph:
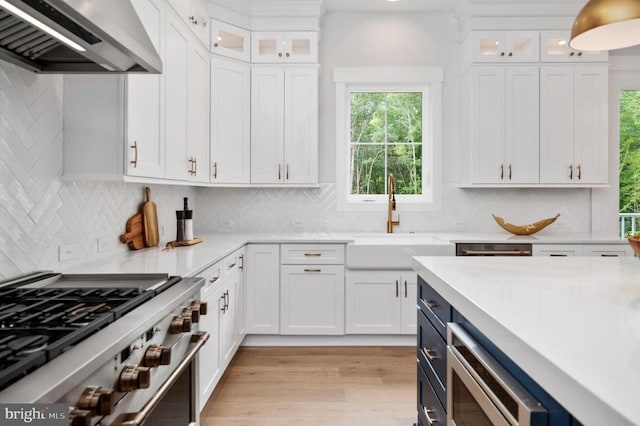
x,y
200,306
99,401
180,325
194,314
156,355
134,377
80,417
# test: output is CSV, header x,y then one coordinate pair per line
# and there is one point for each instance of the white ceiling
x,y
386,6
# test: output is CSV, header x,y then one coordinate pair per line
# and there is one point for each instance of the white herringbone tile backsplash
x,y
275,210
39,211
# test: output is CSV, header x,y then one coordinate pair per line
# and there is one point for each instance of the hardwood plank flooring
x,y
316,386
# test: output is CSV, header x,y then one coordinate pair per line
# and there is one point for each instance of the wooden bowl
x,y
634,242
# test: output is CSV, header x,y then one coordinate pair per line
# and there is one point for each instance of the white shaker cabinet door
x,y
372,302
176,78
267,124
230,121
198,113
301,125
145,103
263,289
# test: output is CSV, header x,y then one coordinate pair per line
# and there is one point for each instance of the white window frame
x,y
401,79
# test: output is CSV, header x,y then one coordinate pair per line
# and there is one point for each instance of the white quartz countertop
x,y
572,324
188,261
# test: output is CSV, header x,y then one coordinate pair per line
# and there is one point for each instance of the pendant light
x,y
606,25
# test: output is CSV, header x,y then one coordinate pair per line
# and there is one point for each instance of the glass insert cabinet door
x,y
505,46
285,47
554,47
230,41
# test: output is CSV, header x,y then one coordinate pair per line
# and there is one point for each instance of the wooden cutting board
x,y
150,214
134,235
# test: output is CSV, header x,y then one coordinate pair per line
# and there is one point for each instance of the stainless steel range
x,y
118,349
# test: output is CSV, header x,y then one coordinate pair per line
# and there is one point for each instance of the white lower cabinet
x,y
209,371
312,289
263,289
224,293
312,299
599,250
381,302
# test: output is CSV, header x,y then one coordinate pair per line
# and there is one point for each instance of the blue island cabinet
x,y
434,312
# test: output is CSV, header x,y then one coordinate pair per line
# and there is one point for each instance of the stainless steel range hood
x,y
78,36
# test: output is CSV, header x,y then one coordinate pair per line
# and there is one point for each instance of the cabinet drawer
x,y
435,363
312,254
429,406
434,307
213,277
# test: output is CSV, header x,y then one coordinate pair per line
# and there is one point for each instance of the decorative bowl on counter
x,y
634,242
529,229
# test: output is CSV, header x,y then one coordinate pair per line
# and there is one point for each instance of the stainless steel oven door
x,y
175,402
480,391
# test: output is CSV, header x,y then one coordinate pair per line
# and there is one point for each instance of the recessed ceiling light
x,y
393,1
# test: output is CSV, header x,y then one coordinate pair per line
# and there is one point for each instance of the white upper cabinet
x,y
230,41
574,124
284,124
505,121
113,123
554,47
230,121
505,46
287,47
186,70
194,13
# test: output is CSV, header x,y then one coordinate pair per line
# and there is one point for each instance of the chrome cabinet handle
x,y
427,353
195,166
241,267
429,419
226,300
215,170
224,304
135,154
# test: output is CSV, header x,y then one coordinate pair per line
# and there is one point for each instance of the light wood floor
x,y
333,386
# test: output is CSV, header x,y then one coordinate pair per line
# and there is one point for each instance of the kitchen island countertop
x,y
572,324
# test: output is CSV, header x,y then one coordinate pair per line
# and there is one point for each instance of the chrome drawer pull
x,y
427,353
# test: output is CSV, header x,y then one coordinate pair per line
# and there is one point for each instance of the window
x,y
629,161
385,137
388,122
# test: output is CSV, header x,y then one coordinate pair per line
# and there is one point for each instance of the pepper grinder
x,y
180,226
188,222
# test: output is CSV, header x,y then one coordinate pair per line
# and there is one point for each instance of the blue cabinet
x,y
434,312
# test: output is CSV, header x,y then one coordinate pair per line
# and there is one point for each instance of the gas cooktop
x,y
43,316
